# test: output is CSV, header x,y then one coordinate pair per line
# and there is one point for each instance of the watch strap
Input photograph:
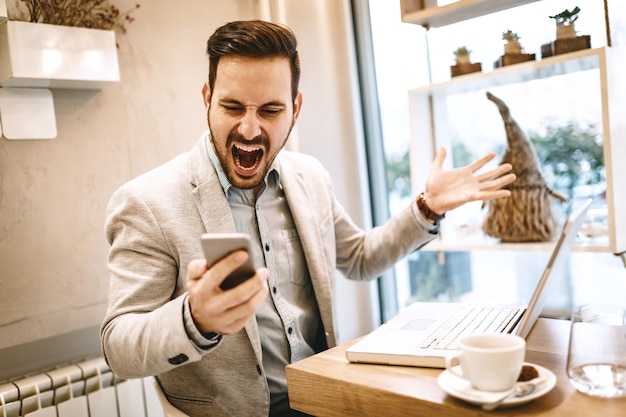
x,y
426,211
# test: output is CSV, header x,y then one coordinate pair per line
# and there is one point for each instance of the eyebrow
x,y
227,100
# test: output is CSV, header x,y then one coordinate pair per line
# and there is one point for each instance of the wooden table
x,y
328,385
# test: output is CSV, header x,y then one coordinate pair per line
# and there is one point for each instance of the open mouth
x,y
247,158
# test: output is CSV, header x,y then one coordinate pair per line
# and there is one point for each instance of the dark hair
x,y
255,39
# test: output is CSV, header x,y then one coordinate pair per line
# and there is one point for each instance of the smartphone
x,y
218,245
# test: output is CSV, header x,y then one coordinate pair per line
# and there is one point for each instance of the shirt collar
x,y
221,175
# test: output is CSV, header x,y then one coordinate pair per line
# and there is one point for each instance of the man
x,y
223,352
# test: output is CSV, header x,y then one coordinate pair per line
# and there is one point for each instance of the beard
x,y
232,159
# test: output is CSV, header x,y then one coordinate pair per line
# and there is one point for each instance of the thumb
x,y
195,270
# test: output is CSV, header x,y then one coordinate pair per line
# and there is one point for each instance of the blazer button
x,y
178,359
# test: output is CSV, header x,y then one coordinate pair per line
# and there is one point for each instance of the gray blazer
x,y
154,223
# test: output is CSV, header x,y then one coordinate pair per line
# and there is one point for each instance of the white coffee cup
x,y
490,361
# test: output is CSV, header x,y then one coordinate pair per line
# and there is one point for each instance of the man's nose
x,y
250,126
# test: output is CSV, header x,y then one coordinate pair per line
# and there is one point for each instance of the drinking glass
x,y
596,361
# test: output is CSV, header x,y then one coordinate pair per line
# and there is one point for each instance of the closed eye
x,y
232,109
271,111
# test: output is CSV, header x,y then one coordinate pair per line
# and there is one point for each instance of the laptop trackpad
x,y
418,324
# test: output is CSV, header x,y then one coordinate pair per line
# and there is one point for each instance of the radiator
x,y
83,389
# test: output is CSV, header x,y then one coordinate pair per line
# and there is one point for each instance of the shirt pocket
x,y
298,273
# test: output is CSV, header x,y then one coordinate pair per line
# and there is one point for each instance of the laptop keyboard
x,y
470,320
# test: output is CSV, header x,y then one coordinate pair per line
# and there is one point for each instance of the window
x,y
401,54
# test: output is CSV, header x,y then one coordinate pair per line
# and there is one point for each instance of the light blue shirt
x,y
289,322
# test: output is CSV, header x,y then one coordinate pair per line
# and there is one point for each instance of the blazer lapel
x,y
208,193
215,213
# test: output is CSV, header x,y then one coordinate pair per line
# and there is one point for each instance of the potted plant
x,y
512,45
565,23
462,55
566,38
464,64
513,50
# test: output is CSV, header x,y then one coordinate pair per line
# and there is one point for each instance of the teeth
x,y
248,148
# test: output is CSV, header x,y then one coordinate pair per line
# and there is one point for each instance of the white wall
x,y
53,276
330,128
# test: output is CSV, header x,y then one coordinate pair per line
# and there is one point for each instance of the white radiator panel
x,y
84,389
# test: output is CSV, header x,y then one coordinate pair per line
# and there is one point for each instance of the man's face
x,y
250,115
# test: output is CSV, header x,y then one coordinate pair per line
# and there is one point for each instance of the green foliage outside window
x,y
571,156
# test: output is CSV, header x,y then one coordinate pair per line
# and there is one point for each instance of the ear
x,y
297,106
206,94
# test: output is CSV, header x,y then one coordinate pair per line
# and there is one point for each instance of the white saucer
x,y
462,389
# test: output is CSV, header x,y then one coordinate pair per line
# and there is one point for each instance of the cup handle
x,y
451,361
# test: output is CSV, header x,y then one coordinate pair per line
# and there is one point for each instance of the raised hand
x,y
448,189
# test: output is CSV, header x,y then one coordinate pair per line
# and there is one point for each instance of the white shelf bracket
x,y
27,113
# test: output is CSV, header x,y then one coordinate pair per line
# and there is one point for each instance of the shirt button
x,y
267,247
258,369
274,289
290,330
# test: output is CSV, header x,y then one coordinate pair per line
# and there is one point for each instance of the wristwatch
x,y
426,211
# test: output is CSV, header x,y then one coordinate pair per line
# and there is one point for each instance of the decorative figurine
x,y
526,216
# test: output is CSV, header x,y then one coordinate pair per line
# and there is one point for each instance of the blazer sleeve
x,y
365,255
143,331
357,253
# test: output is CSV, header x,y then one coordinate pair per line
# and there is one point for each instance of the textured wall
x,y
53,276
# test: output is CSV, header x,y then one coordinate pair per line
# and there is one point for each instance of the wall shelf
x,y
443,245
433,16
527,71
430,124
438,110
52,56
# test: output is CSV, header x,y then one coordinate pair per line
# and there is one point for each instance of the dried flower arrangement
x,y
94,14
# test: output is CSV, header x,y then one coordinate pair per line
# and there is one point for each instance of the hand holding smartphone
x,y
218,245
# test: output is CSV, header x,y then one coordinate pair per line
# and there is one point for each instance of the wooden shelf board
x,y
430,17
441,245
526,71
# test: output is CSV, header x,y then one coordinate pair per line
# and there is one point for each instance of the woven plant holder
x,y
525,216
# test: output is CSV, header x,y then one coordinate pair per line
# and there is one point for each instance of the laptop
x,y
424,333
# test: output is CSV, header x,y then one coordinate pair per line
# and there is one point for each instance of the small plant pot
x,y
566,31
463,60
465,68
512,48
